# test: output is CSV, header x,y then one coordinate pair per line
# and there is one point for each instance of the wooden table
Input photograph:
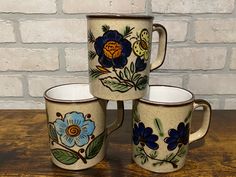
x,y
24,148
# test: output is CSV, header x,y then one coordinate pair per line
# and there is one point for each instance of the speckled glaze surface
x,y
119,49
77,127
161,129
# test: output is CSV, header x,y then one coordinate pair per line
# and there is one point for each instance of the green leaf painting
x,y
127,73
52,132
142,82
95,146
91,54
127,32
115,85
188,117
64,156
91,38
105,28
159,126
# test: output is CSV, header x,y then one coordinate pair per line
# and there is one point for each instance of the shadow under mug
x,y
119,49
77,126
162,126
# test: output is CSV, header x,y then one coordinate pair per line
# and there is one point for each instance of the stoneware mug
x,y
77,126
119,49
161,127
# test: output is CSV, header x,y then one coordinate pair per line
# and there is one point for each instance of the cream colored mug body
x,y
77,126
119,49
162,126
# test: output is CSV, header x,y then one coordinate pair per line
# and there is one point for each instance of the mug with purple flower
x,y
161,135
119,49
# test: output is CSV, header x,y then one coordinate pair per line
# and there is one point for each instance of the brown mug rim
x,y
180,103
119,16
48,98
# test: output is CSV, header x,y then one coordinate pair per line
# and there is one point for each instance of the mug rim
x,y
161,103
119,16
48,98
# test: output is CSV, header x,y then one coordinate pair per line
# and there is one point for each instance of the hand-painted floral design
x,y
141,46
74,129
140,65
144,136
178,137
112,49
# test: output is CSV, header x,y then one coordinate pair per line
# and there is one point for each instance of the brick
x,y
215,30
215,103
192,6
163,79
212,83
11,86
177,30
76,59
29,104
6,31
233,59
24,59
104,6
230,103
38,84
53,30
28,6
193,58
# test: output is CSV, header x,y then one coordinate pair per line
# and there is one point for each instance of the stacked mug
x,y
119,49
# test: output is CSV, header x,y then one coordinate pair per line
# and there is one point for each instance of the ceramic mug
x,y
77,126
162,126
119,49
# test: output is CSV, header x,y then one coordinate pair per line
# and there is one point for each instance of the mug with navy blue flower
x,y
119,49
77,126
162,126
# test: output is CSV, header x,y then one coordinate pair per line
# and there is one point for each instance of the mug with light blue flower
x,y
161,135
77,126
119,50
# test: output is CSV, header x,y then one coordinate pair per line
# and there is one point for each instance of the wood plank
x,y
24,148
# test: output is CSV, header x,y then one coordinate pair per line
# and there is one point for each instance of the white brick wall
x,y
25,59
233,59
44,43
192,6
194,58
73,55
215,30
38,84
212,83
104,6
28,6
11,86
6,31
177,30
53,30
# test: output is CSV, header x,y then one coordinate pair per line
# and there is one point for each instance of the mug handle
x,y
119,120
161,47
206,120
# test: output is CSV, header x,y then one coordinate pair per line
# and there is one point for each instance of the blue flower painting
x,y
144,136
112,49
74,129
179,136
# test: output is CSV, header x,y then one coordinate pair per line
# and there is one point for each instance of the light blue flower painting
x,y
74,129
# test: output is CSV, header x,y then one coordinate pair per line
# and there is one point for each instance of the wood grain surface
x,y
24,149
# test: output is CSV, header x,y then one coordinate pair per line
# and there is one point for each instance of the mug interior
x,y
168,95
69,92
